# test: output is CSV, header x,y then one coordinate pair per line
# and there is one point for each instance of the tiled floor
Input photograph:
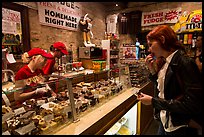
x,y
152,129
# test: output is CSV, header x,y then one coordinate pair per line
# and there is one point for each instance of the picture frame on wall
x,y
129,51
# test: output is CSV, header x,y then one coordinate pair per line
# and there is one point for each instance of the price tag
x,y
67,109
40,102
78,104
10,58
51,99
7,116
28,114
6,133
48,118
103,92
26,129
6,100
19,111
84,88
96,95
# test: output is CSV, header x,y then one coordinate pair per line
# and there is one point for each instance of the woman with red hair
x,y
178,89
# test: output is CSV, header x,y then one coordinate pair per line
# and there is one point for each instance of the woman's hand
x,y
144,98
151,64
198,52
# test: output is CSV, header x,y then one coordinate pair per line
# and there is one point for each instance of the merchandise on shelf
x,y
187,27
98,64
112,60
188,40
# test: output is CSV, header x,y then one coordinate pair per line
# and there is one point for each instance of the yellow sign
x,y
189,22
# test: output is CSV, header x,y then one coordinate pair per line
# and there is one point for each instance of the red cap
x,y
60,46
39,51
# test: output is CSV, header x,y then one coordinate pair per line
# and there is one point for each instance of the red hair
x,y
171,41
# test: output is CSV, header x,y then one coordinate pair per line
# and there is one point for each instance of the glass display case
x,y
39,113
138,73
81,95
78,93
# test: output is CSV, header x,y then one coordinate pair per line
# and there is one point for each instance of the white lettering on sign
x,y
194,26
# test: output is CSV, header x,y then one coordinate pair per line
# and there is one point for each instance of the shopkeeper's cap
x,y
39,51
60,46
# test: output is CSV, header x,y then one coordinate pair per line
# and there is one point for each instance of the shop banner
x,y
64,15
160,17
11,21
189,22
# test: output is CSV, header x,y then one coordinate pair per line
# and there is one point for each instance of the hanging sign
x,y
189,22
11,21
160,17
64,15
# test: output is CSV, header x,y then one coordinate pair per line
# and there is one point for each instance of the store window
x,y
15,28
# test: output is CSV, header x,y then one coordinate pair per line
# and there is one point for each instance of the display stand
x,y
112,61
71,98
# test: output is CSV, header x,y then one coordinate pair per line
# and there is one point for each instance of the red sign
x,y
160,17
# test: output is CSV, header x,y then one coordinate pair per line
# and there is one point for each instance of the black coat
x,y
183,100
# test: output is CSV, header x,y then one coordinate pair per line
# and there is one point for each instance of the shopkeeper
x,y
31,75
58,49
